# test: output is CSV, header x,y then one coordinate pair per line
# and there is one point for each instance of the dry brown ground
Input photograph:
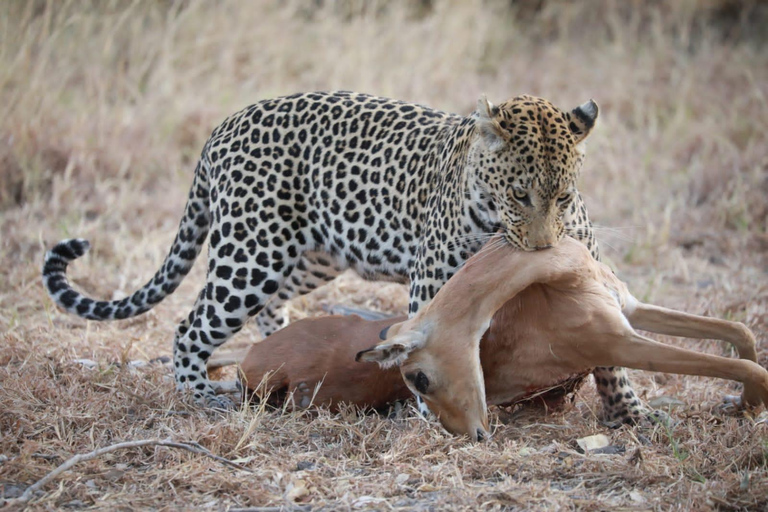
x,y
103,109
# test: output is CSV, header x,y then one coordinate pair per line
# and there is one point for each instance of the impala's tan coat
x,y
547,316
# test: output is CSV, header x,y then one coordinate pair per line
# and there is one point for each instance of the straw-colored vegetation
x,y
104,107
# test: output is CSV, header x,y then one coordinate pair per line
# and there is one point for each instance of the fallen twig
x,y
81,457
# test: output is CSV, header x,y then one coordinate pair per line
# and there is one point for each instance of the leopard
x,y
291,191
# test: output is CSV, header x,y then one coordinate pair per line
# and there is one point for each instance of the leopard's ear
x,y
582,119
487,125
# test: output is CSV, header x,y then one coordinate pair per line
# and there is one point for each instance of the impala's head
x,y
445,373
525,160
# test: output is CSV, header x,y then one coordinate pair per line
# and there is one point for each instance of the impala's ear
x,y
582,119
394,351
487,125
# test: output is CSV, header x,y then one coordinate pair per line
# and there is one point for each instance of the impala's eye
x,y
419,381
521,197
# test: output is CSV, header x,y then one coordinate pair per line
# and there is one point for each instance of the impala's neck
x,y
488,280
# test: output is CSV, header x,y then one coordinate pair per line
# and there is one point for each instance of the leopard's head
x,y
525,160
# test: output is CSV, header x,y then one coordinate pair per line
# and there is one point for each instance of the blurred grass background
x,y
113,90
105,106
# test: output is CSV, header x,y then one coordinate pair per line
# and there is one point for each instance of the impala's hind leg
x,y
639,352
675,323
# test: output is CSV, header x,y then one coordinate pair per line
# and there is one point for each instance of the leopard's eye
x,y
563,198
521,196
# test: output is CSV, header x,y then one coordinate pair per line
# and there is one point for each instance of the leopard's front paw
x,y
633,414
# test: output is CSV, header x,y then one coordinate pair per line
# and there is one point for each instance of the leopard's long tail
x,y
190,237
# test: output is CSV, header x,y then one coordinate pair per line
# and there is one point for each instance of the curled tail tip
x,y
79,245
68,250
61,255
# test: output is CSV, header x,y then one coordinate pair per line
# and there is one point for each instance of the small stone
x,y
305,465
402,478
87,363
668,402
11,491
611,449
591,443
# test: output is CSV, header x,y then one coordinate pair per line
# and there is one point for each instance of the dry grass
x,y
105,106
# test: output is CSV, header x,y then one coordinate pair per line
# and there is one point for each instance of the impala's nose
x,y
482,435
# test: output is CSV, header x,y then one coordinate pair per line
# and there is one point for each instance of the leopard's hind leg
x,y
234,292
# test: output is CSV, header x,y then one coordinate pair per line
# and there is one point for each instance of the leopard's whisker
x,y
491,248
610,246
602,232
616,228
470,238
